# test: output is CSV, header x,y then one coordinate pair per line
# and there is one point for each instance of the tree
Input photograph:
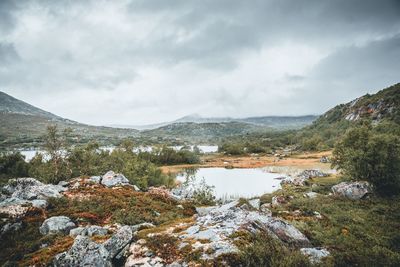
x,y
364,154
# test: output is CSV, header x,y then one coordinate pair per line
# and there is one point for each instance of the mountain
x,y
210,132
22,124
277,122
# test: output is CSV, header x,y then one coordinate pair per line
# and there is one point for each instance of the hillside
x,y
22,124
380,109
203,132
277,122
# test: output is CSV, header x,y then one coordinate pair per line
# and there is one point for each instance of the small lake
x,y
235,183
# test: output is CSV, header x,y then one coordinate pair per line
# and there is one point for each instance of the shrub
x,y
364,154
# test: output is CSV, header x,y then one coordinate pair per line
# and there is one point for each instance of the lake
x,y
235,183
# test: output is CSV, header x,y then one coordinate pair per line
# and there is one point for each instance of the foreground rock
x,y
85,252
56,224
21,193
111,179
211,233
352,190
92,230
316,255
301,178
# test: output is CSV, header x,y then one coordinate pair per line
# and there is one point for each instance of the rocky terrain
x,y
68,236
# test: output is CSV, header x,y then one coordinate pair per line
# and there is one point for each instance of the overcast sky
x,y
143,61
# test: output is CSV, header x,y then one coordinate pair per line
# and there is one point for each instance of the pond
x,y
235,183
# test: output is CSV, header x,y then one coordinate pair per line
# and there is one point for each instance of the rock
x,y
287,233
63,183
255,203
161,192
95,179
83,252
57,224
30,188
264,208
111,179
118,241
141,226
315,254
10,227
193,229
137,189
352,190
202,211
39,203
301,178
324,159
278,201
14,207
78,231
180,207
96,230
311,195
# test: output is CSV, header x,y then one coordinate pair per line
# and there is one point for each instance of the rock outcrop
x,y
352,190
315,254
301,178
56,224
21,193
111,179
85,252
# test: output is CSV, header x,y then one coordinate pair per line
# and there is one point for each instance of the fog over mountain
x,y
143,62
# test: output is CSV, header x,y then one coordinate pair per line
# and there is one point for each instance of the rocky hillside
x,y
384,105
22,123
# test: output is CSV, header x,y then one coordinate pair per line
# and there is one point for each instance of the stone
x,y
30,188
10,227
264,208
324,159
311,195
193,229
287,233
119,240
56,224
111,179
137,189
39,203
315,254
278,201
352,190
141,226
95,179
202,211
83,252
96,230
301,178
78,231
255,203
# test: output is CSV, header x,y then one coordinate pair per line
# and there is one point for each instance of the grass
x,y
358,233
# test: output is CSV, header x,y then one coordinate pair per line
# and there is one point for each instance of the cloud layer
x,y
144,61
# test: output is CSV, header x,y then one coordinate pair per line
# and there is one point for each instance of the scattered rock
x,y
278,201
141,226
30,188
264,208
83,252
324,159
301,178
96,230
118,241
352,190
111,179
39,203
57,224
78,231
315,254
95,179
255,203
311,194
287,233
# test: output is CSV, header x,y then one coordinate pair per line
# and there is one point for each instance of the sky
x,y
148,61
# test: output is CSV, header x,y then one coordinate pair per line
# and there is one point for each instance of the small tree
x,y
364,154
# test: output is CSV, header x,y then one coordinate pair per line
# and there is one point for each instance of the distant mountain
x,y
277,122
11,105
210,132
23,124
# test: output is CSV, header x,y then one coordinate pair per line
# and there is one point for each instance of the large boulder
x,y
352,190
30,188
56,224
287,233
119,240
84,252
111,179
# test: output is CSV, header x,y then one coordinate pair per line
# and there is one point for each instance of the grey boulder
x,y
351,190
111,179
315,254
119,240
56,224
83,252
